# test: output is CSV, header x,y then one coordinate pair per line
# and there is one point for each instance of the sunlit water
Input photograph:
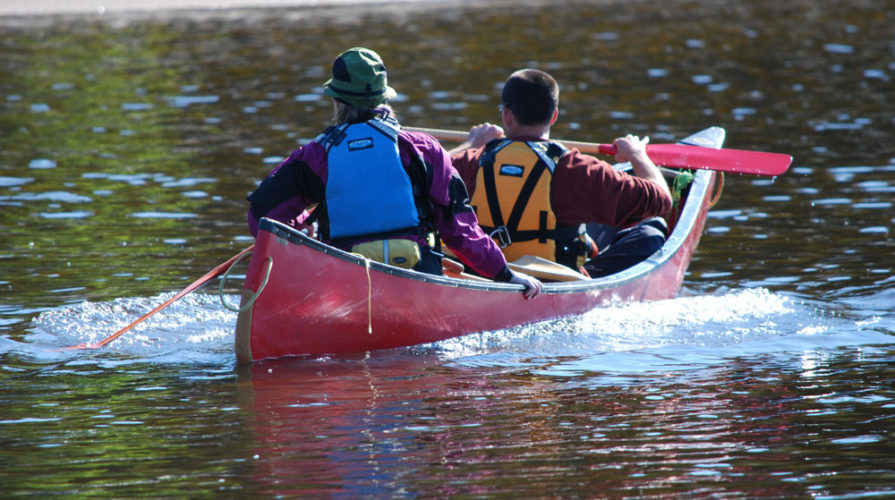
x,y
128,144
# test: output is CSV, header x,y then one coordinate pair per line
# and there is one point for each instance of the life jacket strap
x,y
502,235
332,136
562,232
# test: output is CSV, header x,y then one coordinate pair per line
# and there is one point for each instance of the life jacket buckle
x,y
502,235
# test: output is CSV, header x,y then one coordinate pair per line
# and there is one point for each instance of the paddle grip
x,y
607,149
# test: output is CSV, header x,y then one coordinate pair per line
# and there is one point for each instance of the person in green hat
x,y
373,188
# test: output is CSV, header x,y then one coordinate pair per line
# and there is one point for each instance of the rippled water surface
x,y
128,144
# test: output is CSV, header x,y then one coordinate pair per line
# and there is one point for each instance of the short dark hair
x,y
532,95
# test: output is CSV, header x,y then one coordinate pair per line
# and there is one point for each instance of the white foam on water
x,y
195,329
675,334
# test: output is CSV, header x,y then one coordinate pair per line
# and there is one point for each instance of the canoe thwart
x,y
545,269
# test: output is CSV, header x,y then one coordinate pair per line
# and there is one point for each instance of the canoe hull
x,y
315,299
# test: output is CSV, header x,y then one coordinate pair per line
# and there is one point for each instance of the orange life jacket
x,y
512,201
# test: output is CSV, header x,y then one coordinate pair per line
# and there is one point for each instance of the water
x,y
128,144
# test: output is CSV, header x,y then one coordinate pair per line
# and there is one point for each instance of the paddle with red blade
x,y
724,160
210,275
673,155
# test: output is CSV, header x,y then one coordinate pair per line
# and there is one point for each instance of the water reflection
x,y
385,423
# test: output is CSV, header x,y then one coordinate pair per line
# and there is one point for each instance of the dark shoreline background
x,y
28,13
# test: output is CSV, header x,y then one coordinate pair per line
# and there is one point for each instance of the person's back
x,y
365,175
582,189
515,180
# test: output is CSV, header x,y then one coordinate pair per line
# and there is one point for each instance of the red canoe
x,y
313,299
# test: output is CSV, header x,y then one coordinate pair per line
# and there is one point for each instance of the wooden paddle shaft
x,y
459,136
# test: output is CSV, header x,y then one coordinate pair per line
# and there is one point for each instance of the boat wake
x,y
677,334
195,330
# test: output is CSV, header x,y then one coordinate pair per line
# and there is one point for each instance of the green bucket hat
x,y
359,78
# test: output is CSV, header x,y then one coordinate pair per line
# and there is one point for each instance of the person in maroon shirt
x,y
583,189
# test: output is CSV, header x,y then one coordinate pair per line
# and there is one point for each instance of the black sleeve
x,y
293,178
459,198
504,276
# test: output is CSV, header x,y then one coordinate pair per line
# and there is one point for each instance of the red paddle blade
x,y
727,160
723,160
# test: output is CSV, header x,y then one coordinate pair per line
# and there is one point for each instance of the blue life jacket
x,y
368,192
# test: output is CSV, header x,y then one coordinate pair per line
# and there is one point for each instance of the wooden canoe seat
x,y
538,267
544,269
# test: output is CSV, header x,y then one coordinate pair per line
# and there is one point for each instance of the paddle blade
x,y
722,160
727,160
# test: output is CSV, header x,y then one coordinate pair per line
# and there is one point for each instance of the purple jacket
x,y
299,182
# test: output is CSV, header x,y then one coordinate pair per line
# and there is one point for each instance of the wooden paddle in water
x,y
671,155
214,273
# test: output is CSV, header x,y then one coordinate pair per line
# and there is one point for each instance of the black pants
x,y
630,246
430,261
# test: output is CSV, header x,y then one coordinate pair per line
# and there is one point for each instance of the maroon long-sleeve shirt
x,y
586,189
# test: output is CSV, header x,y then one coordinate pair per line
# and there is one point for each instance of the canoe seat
x,y
545,269
538,267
